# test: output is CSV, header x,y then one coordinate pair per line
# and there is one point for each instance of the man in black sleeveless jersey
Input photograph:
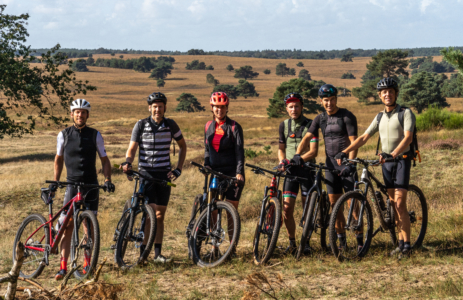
x,y
153,137
339,129
76,148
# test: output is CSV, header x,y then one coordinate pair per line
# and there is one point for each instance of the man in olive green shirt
x,y
395,141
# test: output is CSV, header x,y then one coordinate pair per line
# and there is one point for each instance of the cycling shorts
x,y
335,184
234,192
291,186
156,193
90,201
402,175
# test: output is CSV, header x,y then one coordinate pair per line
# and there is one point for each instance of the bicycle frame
x,y
317,185
71,211
269,192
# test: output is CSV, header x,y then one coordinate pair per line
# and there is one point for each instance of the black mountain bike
x,y
133,243
356,209
214,235
270,218
316,213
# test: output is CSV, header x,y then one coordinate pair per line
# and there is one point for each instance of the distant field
x,y
434,271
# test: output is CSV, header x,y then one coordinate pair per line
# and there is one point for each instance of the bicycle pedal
x,y
113,247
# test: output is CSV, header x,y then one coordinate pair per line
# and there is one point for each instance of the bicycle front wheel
x,y
345,218
309,223
266,236
85,245
212,248
129,247
193,215
34,262
418,212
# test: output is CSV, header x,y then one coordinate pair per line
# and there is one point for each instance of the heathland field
x,y
433,271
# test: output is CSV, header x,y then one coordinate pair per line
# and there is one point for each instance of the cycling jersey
x,y
338,128
79,148
292,137
154,143
390,130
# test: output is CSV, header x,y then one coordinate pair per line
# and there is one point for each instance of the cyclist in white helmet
x,y
76,148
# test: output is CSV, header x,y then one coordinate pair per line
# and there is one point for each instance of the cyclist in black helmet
x,y
339,129
291,132
395,126
153,137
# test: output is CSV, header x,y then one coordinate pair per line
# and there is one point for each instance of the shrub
x,y
210,67
300,64
437,118
230,68
348,75
267,71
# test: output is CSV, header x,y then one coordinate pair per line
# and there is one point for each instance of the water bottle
x,y
60,222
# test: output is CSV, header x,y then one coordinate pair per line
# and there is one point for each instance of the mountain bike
x,y
316,212
356,209
270,218
215,234
136,229
41,240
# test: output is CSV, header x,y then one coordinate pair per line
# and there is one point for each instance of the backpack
x,y
324,121
66,136
414,151
142,124
208,124
297,134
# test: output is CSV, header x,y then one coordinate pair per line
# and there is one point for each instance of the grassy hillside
x,y
434,271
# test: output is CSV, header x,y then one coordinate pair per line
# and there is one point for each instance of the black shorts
x,y
402,175
335,184
291,187
156,193
234,192
90,201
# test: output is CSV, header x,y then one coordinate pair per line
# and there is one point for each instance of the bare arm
x,y
312,153
305,143
281,152
353,153
181,153
359,142
407,140
58,167
106,164
130,155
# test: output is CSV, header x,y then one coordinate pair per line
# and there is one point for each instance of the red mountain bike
x,y
41,240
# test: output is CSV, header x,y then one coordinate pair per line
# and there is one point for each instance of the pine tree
x,y
245,72
230,68
246,89
454,57
304,74
188,103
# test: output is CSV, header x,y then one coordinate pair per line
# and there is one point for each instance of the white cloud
x,y
197,7
51,25
425,4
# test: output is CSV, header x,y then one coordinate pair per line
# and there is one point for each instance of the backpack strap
x,y
323,122
340,120
289,132
378,120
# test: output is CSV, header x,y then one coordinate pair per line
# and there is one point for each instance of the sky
x,y
241,24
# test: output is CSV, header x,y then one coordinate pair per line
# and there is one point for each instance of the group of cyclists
x,y
78,145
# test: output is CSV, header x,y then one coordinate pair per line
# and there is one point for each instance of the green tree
x,y
31,93
245,72
189,103
300,64
347,57
348,75
161,70
90,61
160,83
196,52
453,87
282,69
304,74
195,65
113,54
292,72
210,67
79,65
454,57
121,56
422,90
143,64
389,63
229,89
308,90
246,89
230,68
267,71
211,80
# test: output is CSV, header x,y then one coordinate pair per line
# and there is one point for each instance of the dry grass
x,y
120,101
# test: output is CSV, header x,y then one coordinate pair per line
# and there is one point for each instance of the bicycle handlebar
x,y
205,170
148,179
61,184
365,162
279,173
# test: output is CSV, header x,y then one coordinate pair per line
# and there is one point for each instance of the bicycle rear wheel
x,y
120,224
33,259
342,210
309,223
190,226
85,245
129,250
418,212
211,250
266,236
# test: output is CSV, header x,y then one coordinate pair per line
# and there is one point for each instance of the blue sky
x,y
242,24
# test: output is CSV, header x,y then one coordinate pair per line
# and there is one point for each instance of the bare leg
x,y
288,216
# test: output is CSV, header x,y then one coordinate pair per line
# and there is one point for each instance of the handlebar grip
x,y
116,166
49,181
196,164
171,184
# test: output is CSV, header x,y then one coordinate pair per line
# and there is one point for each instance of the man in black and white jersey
x,y
76,148
153,137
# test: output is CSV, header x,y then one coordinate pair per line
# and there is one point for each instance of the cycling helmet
x,y
293,97
327,90
157,97
80,104
219,98
387,83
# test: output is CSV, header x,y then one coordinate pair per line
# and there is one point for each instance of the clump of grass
x,y
437,118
